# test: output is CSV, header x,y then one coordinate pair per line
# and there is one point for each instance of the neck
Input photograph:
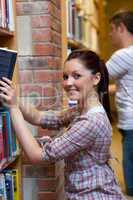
x,y
91,101
127,41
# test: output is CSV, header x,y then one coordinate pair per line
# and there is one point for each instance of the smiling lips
x,y
71,91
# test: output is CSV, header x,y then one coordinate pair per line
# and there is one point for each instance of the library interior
x,y
43,33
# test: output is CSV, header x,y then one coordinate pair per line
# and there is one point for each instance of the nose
x,y
69,81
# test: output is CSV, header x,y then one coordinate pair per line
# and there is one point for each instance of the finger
x,y
4,90
3,96
8,81
4,84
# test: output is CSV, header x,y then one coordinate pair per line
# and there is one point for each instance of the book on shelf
x,y
9,148
16,174
3,195
9,184
1,139
6,15
71,16
79,27
7,62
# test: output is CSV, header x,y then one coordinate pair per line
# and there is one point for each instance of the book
x,y
5,136
7,62
1,139
9,184
15,173
3,195
10,16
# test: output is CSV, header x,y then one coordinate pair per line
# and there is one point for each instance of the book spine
x,y
9,134
9,184
7,13
3,13
3,195
11,15
5,139
15,173
0,14
1,140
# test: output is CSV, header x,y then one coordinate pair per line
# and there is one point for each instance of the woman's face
x,y
78,82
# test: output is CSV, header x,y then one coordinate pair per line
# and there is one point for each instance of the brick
x,y
28,89
39,62
32,8
47,196
49,103
54,62
24,32
33,62
41,55
39,171
43,49
40,21
40,90
55,12
56,38
49,91
26,76
57,3
46,35
57,50
56,25
49,184
47,76
40,35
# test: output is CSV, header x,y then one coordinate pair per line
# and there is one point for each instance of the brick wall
x,y
39,46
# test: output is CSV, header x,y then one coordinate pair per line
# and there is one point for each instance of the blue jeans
x,y
127,142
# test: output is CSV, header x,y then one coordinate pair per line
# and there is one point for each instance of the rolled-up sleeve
x,y
57,119
81,135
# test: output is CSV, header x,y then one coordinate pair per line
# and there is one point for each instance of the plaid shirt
x,y
85,147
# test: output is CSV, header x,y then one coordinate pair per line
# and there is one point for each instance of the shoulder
x,y
96,121
118,53
121,54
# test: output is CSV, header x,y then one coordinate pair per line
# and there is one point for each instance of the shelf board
x,y
5,32
6,162
74,44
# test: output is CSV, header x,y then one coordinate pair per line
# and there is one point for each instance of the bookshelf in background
x,y
82,24
10,162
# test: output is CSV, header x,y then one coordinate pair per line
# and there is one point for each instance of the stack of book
x,y
74,21
6,15
9,184
8,144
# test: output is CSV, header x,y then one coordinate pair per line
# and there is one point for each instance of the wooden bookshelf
x,y
8,39
75,44
6,33
82,24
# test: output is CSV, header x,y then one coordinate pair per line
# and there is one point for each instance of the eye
x,y
65,76
76,76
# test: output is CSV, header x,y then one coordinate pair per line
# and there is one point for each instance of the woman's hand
x,y
44,139
8,94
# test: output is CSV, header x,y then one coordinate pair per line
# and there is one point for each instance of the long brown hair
x,y
93,63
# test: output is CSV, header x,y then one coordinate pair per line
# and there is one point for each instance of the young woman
x,y
85,145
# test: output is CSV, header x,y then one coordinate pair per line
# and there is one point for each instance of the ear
x,y
96,78
121,27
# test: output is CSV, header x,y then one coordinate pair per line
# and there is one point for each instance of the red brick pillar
x,y
39,46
